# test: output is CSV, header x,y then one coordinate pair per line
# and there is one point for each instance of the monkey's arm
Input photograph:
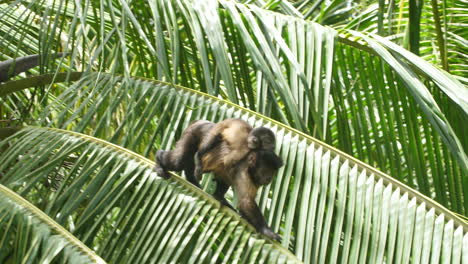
x,y
221,189
213,139
248,208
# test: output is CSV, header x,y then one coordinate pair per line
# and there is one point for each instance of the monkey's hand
x,y
158,167
269,233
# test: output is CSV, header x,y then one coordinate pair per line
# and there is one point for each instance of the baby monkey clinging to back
x,y
238,155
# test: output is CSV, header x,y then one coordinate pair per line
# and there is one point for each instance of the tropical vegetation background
x,y
368,100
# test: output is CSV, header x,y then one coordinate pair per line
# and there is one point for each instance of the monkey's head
x,y
263,165
261,138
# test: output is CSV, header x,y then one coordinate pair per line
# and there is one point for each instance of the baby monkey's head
x,y
261,138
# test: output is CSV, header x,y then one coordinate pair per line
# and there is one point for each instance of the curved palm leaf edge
x,y
43,237
321,194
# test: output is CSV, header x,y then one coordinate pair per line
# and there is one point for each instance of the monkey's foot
x,y
158,168
269,233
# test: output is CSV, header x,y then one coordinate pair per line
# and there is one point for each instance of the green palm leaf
x,y
443,37
372,114
29,235
247,45
391,117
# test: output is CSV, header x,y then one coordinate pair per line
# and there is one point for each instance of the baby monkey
x,y
238,155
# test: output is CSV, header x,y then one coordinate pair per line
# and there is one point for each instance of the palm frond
x,y
240,48
389,110
29,235
443,37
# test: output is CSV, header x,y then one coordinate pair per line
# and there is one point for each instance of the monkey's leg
x,y
219,193
208,144
177,159
189,166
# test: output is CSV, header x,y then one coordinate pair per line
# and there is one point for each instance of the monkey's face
x,y
268,142
263,166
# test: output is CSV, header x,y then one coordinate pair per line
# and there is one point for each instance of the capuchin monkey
x,y
238,155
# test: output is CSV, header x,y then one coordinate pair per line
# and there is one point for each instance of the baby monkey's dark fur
x,y
238,155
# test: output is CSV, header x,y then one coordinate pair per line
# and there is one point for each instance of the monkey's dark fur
x,y
238,155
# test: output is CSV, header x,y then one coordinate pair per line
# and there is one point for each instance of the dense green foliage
x,y
343,84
